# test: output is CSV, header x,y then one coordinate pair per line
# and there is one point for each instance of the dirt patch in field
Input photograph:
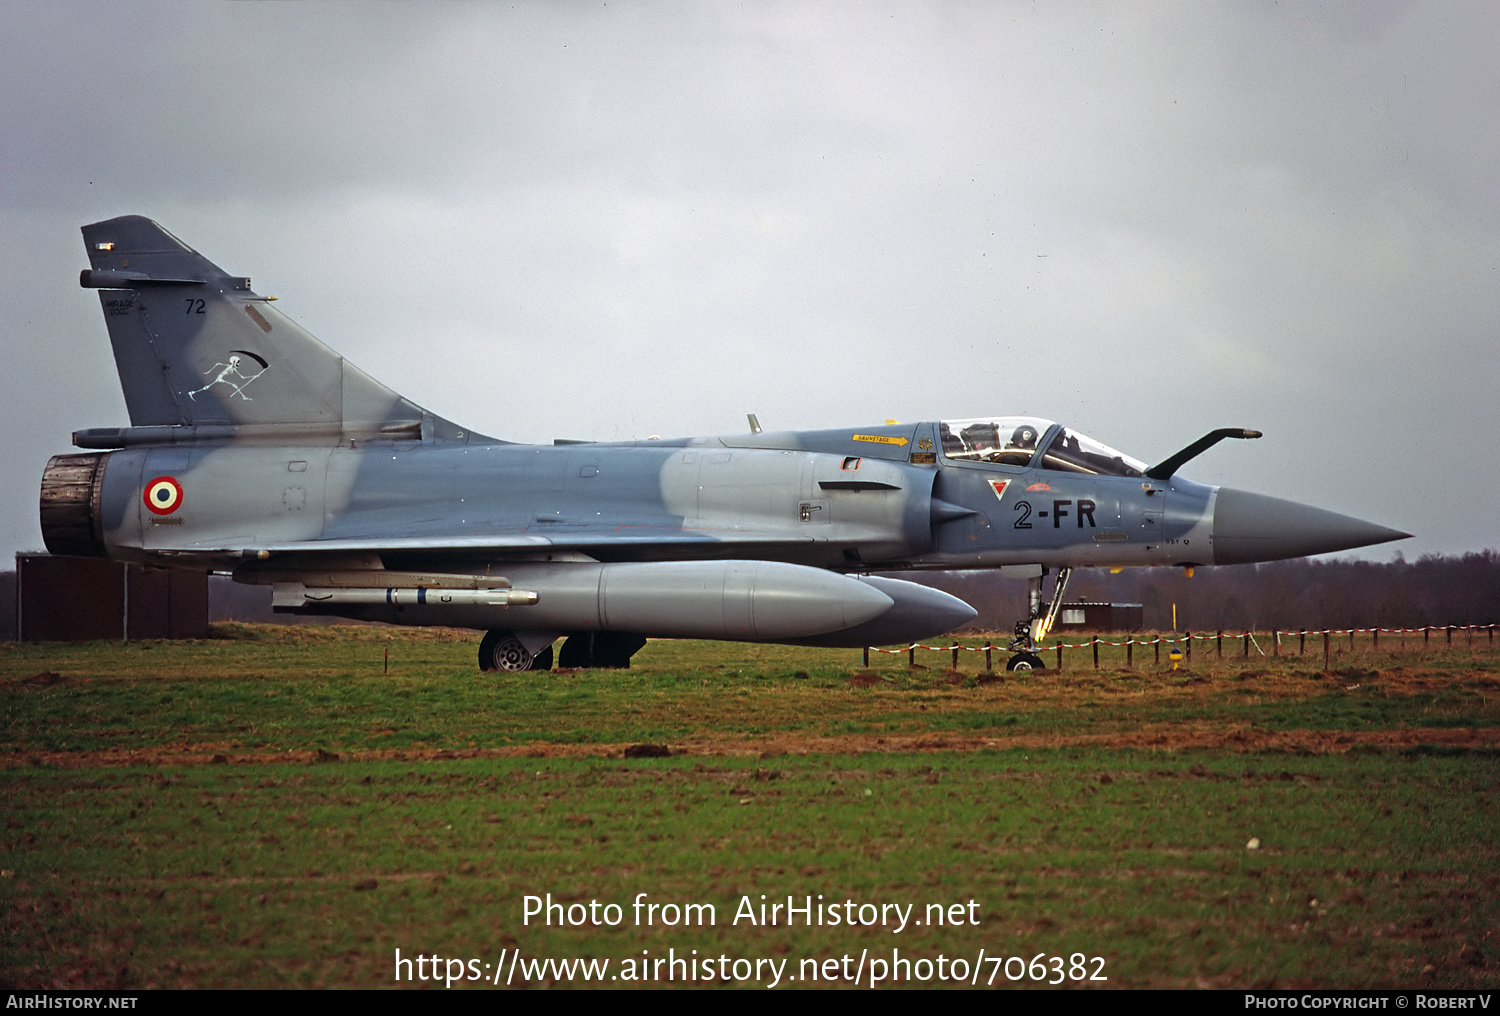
x,y
1164,738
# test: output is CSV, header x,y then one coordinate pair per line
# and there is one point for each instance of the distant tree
x,y
1297,594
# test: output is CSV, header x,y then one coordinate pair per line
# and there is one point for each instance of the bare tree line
x,y
1285,595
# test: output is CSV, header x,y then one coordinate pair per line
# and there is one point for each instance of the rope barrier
x,y
1199,637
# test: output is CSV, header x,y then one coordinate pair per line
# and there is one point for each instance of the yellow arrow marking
x,y
879,439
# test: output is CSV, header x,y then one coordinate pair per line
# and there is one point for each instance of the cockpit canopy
x,y
1027,441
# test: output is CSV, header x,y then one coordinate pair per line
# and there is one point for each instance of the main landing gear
x,y
503,650
589,650
600,650
1027,640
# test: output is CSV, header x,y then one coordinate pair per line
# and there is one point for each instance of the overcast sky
x,y
616,220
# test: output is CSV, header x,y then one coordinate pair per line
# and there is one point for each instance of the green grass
x,y
261,695
1374,808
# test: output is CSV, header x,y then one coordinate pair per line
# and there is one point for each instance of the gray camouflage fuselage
x,y
789,498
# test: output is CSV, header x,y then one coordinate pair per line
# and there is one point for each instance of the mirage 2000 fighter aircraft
x,y
255,450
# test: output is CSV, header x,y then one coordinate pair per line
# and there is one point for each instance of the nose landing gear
x,y
1027,641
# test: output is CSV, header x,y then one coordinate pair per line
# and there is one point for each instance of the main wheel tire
x,y
501,650
1025,661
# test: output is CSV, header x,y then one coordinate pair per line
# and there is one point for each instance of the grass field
x,y
274,808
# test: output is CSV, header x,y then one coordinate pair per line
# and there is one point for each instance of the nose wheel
x,y
1025,661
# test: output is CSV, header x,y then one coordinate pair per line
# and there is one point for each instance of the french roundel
x,y
163,495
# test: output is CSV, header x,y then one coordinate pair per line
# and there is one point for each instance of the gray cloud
x,y
611,221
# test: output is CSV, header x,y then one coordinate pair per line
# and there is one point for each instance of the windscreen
x,y
1077,453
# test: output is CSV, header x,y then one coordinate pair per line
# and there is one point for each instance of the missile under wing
x,y
255,450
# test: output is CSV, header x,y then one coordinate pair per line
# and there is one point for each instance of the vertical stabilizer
x,y
197,346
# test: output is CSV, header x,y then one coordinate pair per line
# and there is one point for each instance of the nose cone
x,y
1252,527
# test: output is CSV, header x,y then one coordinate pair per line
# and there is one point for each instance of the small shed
x,y
1101,617
79,599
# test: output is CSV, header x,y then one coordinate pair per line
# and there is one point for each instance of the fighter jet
x,y
256,451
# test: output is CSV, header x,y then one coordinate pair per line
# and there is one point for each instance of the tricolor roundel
x,y
163,495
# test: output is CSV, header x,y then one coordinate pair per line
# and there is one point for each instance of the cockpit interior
x,y
1026,441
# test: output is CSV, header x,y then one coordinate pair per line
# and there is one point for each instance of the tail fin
x,y
195,346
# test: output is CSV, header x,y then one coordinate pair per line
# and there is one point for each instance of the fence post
x,y
911,655
1351,638
988,666
1158,647
1325,649
1187,648
1247,646
1302,643
1096,652
1426,635
867,656
1130,653
955,656
1450,634
1376,630
1275,642
1059,654
1219,643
